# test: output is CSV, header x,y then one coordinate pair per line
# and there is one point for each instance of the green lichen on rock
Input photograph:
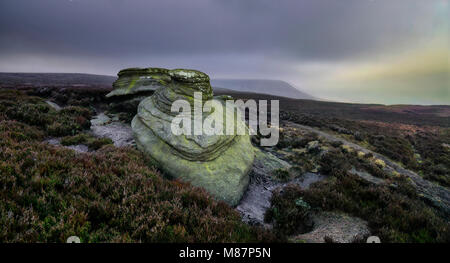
x,y
139,80
218,163
132,86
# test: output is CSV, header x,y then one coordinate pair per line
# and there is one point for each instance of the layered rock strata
x,y
218,163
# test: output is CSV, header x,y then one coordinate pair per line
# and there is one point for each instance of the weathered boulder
x,y
218,163
135,81
335,227
132,86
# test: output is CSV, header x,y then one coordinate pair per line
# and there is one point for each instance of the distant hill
x,y
270,87
37,79
264,86
430,115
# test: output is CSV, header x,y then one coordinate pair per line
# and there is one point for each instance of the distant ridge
x,y
264,86
55,79
269,87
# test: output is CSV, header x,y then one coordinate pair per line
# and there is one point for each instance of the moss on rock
x,y
218,163
139,80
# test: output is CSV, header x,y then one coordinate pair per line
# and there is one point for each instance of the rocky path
x,y
436,195
79,148
256,199
120,133
102,126
326,226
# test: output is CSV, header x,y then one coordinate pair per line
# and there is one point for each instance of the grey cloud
x,y
300,41
297,29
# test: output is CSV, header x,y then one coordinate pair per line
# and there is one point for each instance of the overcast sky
x,y
384,51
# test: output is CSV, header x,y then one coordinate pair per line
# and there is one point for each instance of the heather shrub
x,y
289,213
19,132
35,112
303,141
396,148
92,142
394,214
334,163
281,174
49,193
303,162
436,156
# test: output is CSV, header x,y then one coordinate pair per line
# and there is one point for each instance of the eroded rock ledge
x,y
139,81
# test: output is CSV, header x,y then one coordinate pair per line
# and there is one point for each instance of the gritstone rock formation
x,y
134,85
139,81
218,163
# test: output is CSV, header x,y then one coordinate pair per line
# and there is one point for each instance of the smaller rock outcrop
x,y
139,81
336,228
133,85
